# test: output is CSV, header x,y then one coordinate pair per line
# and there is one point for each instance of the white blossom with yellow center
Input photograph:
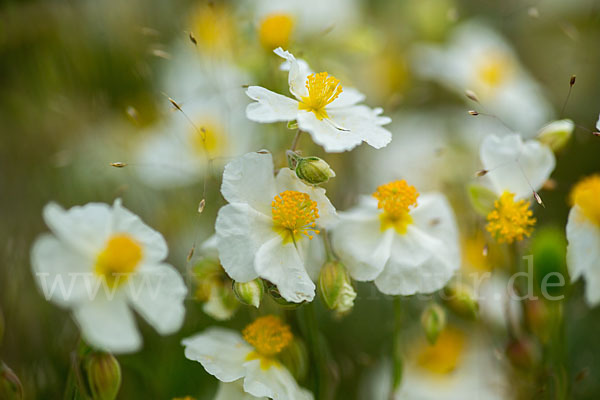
x,y
322,107
404,241
100,261
583,235
248,361
270,228
477,58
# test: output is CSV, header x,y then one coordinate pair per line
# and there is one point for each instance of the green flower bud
x,y
461,299
433,321
549,250
556,134
336,287
311,170
249,293
276,296
103,374
10,386
295,358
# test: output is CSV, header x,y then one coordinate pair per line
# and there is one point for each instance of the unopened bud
x,y
556,134
336,287
313,170
103,374
523,353
276,296
249,293
295,358
10,385
433,321
461,299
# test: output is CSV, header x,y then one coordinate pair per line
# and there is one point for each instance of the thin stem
x,y
317,351
328,250
396,348
295,141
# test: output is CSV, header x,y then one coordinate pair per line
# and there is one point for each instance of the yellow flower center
x,y
474,251
275,30
213,27
396,199
444,356
586,195
119,259
208,138
494,69
322,90
294,214
510,220
268,335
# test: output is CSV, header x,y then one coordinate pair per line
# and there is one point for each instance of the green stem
x,y
317,351
396,348
296,140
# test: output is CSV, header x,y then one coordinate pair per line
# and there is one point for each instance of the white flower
x,y
406,246
321,107
234,391
265,229
515,166
100,261
251,358
480,60
583,235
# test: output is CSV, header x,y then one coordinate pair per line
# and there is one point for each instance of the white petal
x,y
363,122
515,166
270,106
347,98
325,134
108,325
60,271
598,124
157,292
281,264
276,382
287,180
222,352
313,254
360,244
241,231
297,75
583,253
124,221
85,228
249,179
234,391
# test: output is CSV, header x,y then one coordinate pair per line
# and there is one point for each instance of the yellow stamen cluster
x,y
510,220
444,356
322,90
586,195
208,137
119,258
268,335
494,69
275,30
396,199
296,213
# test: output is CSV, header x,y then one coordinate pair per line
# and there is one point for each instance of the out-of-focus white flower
x,y
405,246
321,107
250,358
583,235
100,261
266,228
234,391
478,59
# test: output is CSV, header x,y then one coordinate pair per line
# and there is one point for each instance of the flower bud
x,y
461,299
295,358
10,386
336,287
556,134
103,374
523,353
276,296
249,293
311,170
433,321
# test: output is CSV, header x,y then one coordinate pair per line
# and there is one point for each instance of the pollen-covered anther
x,y
295,212
322,90
396,198
118,259
510,220
268,335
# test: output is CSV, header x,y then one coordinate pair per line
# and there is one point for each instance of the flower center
x,y
268,335
510,220
586,195
444,356
213,27
396,199
294,214
322,90
208,138
119,259
494,69
275,30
